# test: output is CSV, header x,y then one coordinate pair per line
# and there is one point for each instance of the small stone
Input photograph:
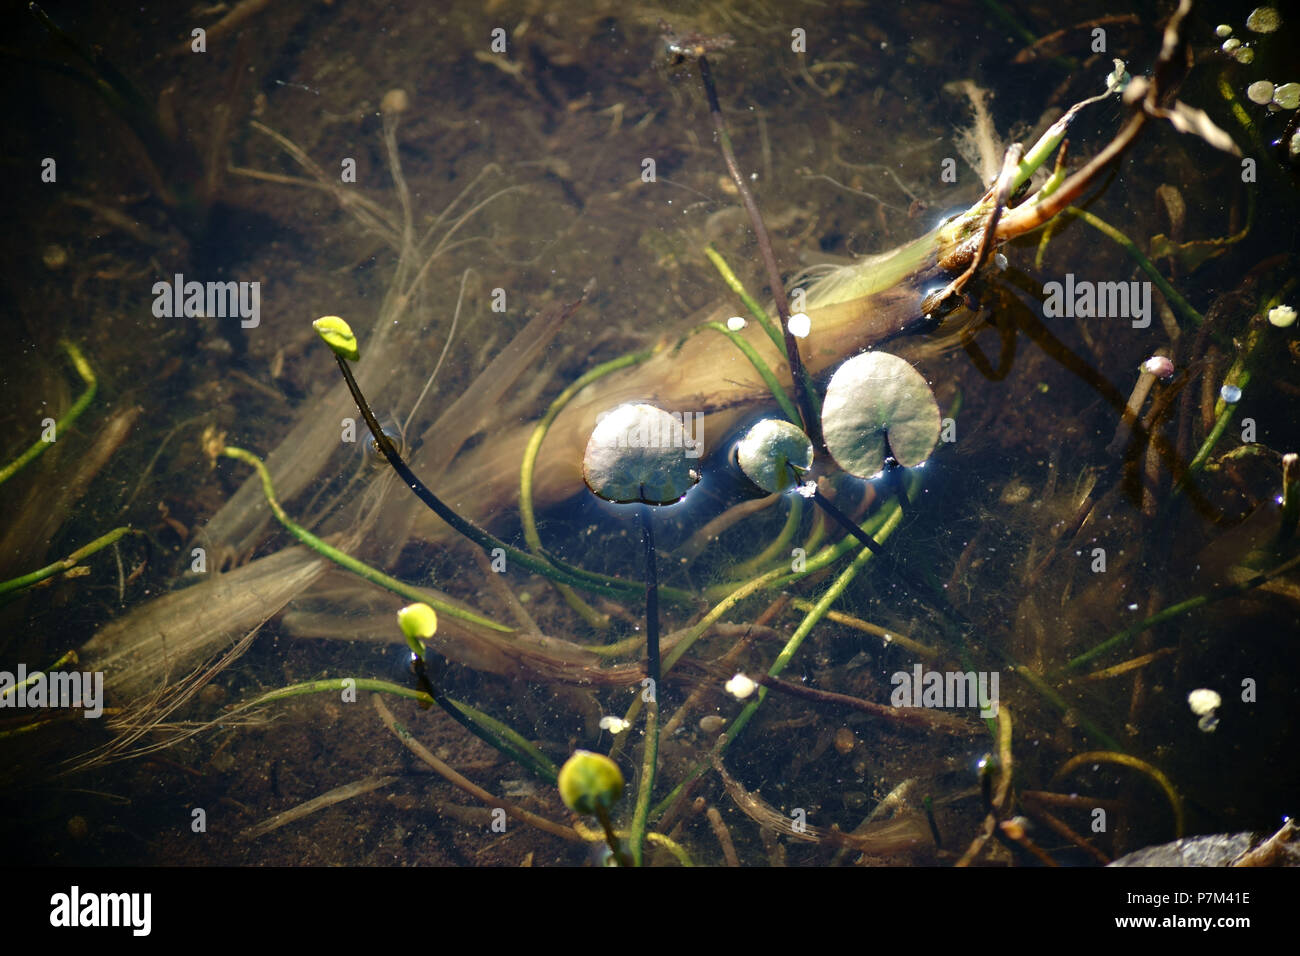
x,y
1222,30
1244,54
395,102
845,740
712,724
1230,44
1016,492
54,257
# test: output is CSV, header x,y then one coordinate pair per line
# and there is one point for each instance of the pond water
x,y
451,182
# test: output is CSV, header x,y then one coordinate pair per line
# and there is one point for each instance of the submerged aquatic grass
x,y
551,638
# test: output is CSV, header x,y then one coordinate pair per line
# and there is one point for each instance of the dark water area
x,y
442,177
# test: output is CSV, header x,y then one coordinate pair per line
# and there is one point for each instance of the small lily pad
x,y
638,453
876,405
774,453
338,336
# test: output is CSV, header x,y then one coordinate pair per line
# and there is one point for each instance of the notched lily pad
x,y
638,453
768,451
876,405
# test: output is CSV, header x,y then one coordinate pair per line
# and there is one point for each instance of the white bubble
x,y
1230,394
1203,701
800,325
736,323
1281,316
740,686
615,725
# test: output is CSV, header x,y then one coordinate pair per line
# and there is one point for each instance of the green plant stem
x,y
1168,291
58,567
359,568
70,657
488,729
756,310
527,515
751,353
649,762
1239,374
792,645
611,838
811,619
769,327
40,445
780,546
1050,694
549,567
1177,610
803,395
650,755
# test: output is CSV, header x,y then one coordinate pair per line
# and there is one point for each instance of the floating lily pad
x,y
772,451
638,453
876,405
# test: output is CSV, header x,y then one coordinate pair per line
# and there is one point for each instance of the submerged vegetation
x,y
932,560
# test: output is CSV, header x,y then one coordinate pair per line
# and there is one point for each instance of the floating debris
x,y
1263,20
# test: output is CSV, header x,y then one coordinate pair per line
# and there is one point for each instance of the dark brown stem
x,y
810,423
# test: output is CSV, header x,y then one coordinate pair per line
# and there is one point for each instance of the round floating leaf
x,y
338,336
638,453
773,453
877,404
589,781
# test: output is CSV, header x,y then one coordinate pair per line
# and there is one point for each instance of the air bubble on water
x,y
1230,394
1261,92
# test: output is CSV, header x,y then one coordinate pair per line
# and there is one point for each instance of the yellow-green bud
x,y
418,622
338,336
589,781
